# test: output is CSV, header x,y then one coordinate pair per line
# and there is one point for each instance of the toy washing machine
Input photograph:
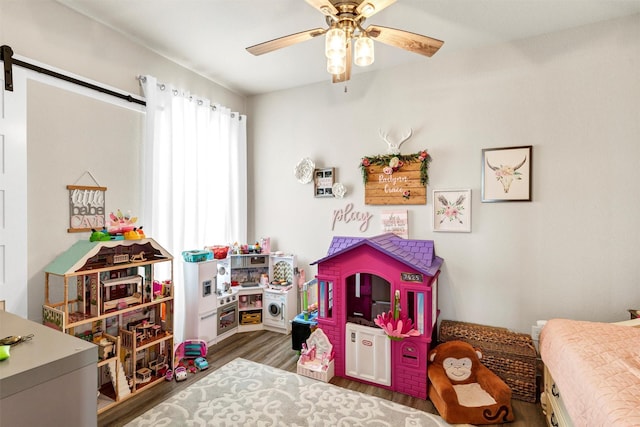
x,y
280,308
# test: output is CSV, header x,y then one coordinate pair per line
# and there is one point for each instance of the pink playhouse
x,y
361,278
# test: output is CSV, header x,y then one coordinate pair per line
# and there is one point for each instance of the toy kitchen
x,y
239,293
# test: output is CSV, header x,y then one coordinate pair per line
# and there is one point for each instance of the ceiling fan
x,y
345,20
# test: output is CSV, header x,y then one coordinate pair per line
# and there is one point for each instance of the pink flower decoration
x,y
396,329
365,162
387,170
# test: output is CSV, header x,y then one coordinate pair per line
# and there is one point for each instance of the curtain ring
x,y
175,92
200,102
162,86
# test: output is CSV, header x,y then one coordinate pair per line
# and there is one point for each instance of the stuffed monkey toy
x,y
463,390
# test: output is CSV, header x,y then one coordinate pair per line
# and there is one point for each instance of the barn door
x,y
13,193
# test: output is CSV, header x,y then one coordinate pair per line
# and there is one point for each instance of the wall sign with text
x,y
396,179
86,208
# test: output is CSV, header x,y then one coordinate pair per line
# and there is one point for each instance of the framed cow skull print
x,y
506,174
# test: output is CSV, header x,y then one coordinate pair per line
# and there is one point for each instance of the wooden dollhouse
x,y
110,293
357,281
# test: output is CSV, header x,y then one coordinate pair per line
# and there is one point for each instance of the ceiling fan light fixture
x,y
326,11
367,10
336,65
335,43
364,53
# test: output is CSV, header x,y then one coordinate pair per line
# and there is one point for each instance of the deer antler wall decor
x,y
394,147
395,178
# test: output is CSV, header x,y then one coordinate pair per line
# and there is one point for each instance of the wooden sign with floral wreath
x,y
396,179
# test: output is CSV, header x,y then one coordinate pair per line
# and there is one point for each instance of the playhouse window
x,y
415,309
325,298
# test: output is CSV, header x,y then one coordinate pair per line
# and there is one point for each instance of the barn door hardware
x,y
6,55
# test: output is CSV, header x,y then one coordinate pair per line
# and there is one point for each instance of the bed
x,y
592,373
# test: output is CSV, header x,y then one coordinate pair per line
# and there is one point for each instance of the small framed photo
x,y
323,180
452,210
506,174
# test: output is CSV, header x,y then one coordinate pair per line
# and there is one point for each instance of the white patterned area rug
x,y
245,393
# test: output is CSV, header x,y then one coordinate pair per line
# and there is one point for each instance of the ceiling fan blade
x,y
323,6
285,41
378,5
339,78
406,40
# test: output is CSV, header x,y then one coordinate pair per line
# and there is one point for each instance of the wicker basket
x,y
510,355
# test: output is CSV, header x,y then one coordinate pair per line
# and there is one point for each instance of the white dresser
x,y
48,380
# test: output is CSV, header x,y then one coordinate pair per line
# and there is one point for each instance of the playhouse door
x,y
367,354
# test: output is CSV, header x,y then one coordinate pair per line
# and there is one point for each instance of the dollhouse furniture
x,y
591,373
463,390
316,357
121,292
143,375
158,364
357,281
104,295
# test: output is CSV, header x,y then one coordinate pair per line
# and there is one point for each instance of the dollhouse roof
x,y
74,258
419,254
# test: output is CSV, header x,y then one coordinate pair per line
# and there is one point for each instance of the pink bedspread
x,y
596,367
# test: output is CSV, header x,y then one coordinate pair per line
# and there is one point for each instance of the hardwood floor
x,y
274,349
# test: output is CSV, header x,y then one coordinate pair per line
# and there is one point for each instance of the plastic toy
x,y
99,236
181,373
4,352
131,235
190,349
121,223
380,260
201,363
169,375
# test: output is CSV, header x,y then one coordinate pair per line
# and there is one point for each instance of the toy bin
x,y
197,256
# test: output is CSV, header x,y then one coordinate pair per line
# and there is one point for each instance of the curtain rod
x,y
6,55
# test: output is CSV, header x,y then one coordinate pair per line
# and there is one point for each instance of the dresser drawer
x,y
555,411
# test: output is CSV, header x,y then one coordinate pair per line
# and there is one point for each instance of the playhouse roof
x,y
77,255
419,254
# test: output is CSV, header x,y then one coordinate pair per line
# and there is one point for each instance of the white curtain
x,y
194,163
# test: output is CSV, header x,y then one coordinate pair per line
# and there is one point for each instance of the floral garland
x,y
393,162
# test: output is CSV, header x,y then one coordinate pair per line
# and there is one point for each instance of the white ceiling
x,y
210,36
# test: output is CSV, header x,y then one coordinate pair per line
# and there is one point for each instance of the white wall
x,y
574,96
